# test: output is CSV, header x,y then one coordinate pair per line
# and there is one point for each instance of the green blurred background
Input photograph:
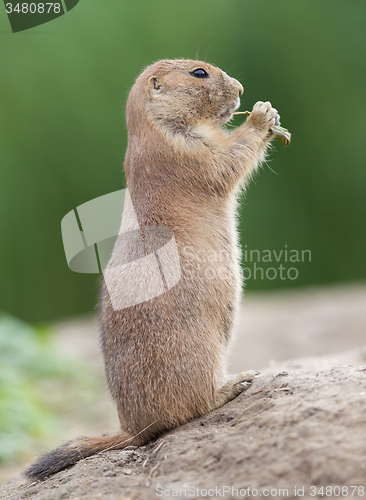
x,y
63,137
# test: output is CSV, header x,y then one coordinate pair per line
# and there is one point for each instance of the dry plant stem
x,y
281,134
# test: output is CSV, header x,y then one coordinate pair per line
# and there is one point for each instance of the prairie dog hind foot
x,y
234,387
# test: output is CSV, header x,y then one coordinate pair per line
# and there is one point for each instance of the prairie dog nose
x,y
234,82
238,85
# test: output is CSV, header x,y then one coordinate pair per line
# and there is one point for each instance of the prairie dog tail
x,y
73,451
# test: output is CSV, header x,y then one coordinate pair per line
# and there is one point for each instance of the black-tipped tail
x,y
73,451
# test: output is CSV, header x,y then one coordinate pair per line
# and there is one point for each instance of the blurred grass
x,y
33,382
63,88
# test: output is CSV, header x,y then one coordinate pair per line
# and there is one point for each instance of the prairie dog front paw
x,y
263,117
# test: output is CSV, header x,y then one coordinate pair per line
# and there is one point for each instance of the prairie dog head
x,y
180,94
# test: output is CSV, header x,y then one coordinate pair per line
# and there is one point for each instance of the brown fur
x,y
165,358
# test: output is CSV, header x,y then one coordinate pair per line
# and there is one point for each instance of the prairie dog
x,y
165,357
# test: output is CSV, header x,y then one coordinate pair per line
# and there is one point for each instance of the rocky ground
x,y
300,427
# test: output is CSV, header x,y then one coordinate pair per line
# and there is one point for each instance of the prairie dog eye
x,y
199,73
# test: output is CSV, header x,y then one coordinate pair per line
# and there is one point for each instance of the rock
x,y
300,429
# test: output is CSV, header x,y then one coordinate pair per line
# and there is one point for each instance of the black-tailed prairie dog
x,y
165,357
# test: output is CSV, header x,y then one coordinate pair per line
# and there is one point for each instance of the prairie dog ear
x,y
154,83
